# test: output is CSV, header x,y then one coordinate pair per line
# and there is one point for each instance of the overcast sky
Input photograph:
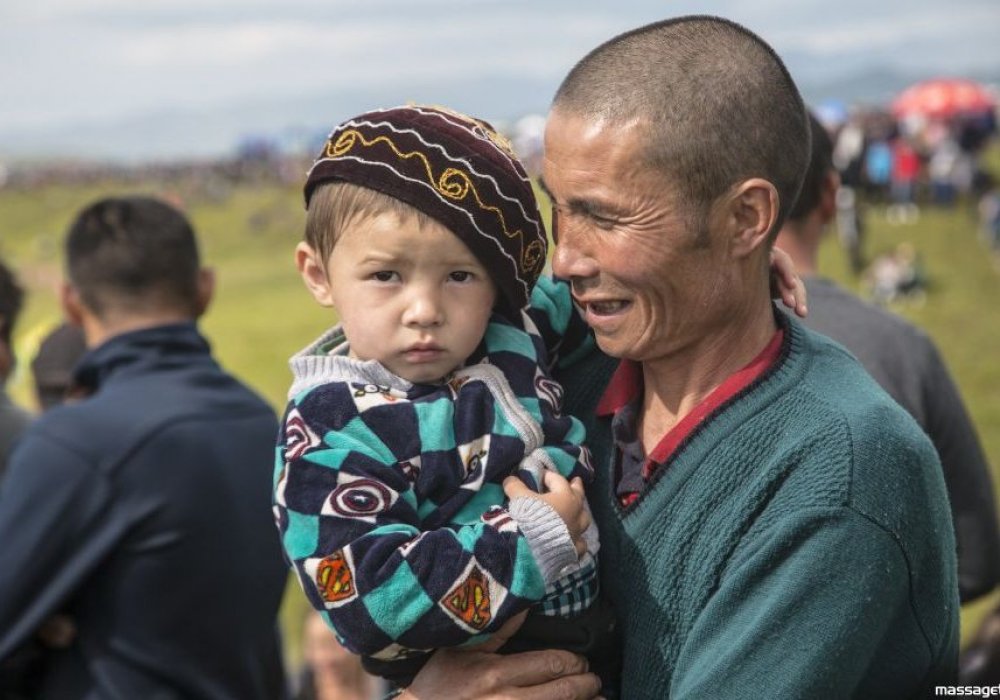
x,y
66,64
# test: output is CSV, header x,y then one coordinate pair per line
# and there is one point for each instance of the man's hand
x,y
57,632
566,498
786,283
473,675
501,636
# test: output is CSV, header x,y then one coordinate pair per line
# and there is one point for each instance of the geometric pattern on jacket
x,y
388,494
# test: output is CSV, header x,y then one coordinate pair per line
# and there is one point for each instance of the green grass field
x,y
262,312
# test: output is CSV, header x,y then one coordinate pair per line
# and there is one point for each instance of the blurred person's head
x,y
802,234
820,176
420,224
11,301
673,153
132,262
322,652
53,364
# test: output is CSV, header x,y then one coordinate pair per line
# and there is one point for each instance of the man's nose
x,y
423,309
572,258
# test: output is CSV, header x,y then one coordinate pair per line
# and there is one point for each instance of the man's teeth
x,y
607,307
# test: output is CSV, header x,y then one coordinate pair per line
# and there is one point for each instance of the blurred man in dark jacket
x,y
13,419
141,514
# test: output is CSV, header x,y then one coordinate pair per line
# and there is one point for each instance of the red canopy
x,y
942,98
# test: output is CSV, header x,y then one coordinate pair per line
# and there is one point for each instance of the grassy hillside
x,y
262,313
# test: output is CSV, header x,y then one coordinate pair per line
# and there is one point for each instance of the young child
x,y
405,419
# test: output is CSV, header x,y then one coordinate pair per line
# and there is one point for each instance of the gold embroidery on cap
x,y
453,183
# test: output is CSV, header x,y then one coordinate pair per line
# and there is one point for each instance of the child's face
x,y
414,298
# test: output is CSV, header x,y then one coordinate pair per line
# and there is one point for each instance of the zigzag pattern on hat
x,y
452,184
457,170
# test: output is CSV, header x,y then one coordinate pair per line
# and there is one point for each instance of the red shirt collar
x,y
626,385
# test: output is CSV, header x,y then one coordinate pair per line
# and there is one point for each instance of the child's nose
x,y
423,310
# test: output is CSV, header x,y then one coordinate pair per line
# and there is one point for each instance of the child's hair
x,y
440,164
337,204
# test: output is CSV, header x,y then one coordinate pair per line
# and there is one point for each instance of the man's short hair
x,y
11,301
133,254
336,205
720,105
820,166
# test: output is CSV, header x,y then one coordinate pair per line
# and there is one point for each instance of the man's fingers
x,y
582,687
533,675
562,677
532,668
501,636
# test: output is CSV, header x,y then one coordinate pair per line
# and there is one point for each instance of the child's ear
x,y
313,273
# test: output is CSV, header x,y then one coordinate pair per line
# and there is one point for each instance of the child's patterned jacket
x,y
388,494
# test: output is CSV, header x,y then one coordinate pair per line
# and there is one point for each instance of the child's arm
x,y
564,497
351,525
566,337
526,394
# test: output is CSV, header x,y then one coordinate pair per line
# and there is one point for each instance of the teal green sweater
x,y
797,545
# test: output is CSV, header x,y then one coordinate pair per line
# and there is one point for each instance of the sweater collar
x,y
140,349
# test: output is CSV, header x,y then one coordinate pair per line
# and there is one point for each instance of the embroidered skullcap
x,y
457,170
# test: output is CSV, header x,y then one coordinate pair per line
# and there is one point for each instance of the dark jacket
x,y
13,422
143,512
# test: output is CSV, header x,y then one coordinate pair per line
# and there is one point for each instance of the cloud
x,y
939,25
65,62
246,44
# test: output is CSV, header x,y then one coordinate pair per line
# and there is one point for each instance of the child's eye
x,y
385,276
461,276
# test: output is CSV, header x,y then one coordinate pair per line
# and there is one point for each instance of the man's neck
x,y
674,385
97,331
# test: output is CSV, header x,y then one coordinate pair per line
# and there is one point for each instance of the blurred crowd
x,y
893,165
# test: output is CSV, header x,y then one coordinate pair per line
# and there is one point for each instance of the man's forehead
x,y
576,143
598,158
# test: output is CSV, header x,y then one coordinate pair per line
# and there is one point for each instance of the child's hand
x,y
786,283
564,497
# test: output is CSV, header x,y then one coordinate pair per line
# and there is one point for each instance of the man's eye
x,y
602,222
384,276
461,276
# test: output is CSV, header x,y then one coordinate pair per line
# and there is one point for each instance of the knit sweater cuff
x,y
546,534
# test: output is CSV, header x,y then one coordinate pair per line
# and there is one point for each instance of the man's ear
x,y
72,306
751,210
313,273
206,289
828,196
